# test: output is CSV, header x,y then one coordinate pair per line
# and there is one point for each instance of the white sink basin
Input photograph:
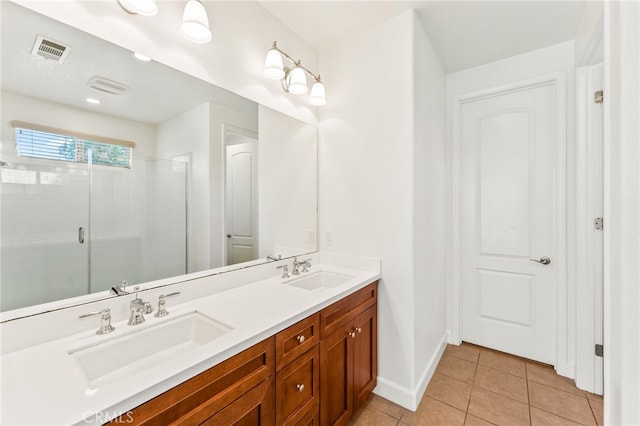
x,y
122,356
320,280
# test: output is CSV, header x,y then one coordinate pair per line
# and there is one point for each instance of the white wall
x,y
429,207
559,58
622,210
375,133
287,192
189,133
46,113
242,34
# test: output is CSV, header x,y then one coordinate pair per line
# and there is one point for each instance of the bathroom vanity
x,y
317,371
298,350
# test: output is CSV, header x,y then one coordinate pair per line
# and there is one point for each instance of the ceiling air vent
x,y
50,49
108,86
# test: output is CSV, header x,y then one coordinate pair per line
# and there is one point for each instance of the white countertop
x,y
44,385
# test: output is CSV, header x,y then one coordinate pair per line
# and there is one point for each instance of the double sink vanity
x,y
295,350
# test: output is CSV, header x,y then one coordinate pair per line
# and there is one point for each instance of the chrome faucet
x,y
295,267
138,308
119,290
105,320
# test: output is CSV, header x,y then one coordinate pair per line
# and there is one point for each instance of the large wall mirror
x,y
167,175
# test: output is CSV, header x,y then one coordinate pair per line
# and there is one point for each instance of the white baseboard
x,y
410,398
566,369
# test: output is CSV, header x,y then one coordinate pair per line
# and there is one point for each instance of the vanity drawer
x,y
296,340
200,397
334,316
298,389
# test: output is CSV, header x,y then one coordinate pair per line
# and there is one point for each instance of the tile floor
x,y
473,385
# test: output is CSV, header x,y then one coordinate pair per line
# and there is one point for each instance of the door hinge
x,y
598,97
599,350
598,223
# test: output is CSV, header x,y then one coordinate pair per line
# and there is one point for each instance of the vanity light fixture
x,y
195,22
140,7
293,80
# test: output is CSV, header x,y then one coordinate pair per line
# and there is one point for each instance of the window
x,y
54,146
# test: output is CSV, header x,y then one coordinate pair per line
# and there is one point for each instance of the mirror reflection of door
x,y
241,199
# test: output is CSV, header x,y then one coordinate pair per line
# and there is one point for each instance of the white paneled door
x,y
241,215
508,145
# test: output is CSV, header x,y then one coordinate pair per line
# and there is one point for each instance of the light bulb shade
x,y
273,67
141,7
317,96
195,22
297,81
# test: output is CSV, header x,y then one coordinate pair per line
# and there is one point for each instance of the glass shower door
x,y
44,214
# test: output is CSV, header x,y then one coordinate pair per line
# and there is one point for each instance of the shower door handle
x,y
81,235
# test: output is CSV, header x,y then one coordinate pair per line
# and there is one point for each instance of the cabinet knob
x,y
352,334
300,339
359,330
300,387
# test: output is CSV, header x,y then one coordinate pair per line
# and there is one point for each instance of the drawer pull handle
x,y
352,334
300,387
300,339
359,330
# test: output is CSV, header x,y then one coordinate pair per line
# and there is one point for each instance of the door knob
x,y
228,235
543,260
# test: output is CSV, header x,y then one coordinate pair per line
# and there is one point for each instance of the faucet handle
x,y
285,271
162,303
306,264
105,320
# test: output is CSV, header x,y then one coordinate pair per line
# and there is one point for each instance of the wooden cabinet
x,y
251,409
348,355
317,371
242,377
298,373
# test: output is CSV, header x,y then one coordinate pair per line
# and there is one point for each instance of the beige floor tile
x,y
563,404
378,403
370,416
474,421
465,351
598,410
501,361
547,376
497,409
433,412
543,418
594,397
502,383
456,368
449,390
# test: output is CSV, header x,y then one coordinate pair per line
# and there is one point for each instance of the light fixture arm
x,y
294,62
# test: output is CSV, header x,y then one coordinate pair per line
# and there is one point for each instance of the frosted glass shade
x,y
141,7
273,67
317,96
297,81
195,22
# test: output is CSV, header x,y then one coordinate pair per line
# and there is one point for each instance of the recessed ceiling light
x,y
93,101
141,57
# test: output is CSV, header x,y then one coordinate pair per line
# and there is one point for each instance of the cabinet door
x,y
365,355
297,388
336,377
255,408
